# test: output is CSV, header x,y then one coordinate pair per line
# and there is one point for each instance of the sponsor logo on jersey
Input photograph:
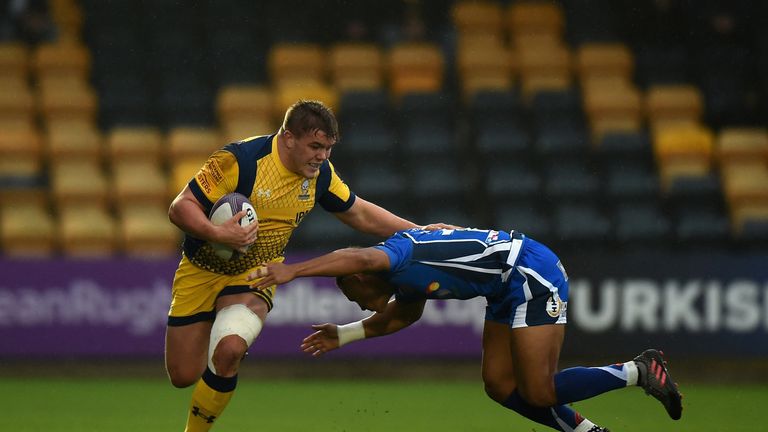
x,y
202,180
216,174
492,236
304,194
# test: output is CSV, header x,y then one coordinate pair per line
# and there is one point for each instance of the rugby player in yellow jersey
x,y
214,315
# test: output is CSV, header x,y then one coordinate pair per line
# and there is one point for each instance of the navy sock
x,y
579,383
559,417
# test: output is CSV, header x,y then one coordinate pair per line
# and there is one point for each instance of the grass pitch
x,y
148,405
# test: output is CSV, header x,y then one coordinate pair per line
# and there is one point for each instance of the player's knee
x,y
498,390
228,353
539,396
182,377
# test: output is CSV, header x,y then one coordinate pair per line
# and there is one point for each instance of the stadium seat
x,y
574,223
138,182
244,102
363,106
697,227
742,144
77,182
14,60
287,93
367,138
557,108
477,17
21,153
534,17
356,66
17,104
182,170
289,62
240,129
378,180
560,143
659,65
509,179
62,59
125,100
544,70
483,68
632,147
570,181
67,99
672,104
504,141
26,229
185,99
145,231
135,143
190,143
226,63
630,181
641,224
601,60
530,220
683,150
745,183
70,140
611,108
86,231
442,180
321,231
414,67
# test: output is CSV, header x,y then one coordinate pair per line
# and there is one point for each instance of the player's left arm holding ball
x,y
355,270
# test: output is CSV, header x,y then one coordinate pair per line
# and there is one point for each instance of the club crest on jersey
x,y
555,306
263,193
304,194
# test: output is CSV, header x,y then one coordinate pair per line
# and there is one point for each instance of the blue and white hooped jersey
x,y
451,264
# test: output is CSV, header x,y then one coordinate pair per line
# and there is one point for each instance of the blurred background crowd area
x,y
600,124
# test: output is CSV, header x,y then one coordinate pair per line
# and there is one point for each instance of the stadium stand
x,y
615,126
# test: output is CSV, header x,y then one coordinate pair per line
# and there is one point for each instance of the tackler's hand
x,y
271,274
324,339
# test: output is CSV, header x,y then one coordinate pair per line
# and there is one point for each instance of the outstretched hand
x,y
324,339
271,274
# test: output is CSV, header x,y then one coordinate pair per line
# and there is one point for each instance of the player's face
x,y
309,152
368,291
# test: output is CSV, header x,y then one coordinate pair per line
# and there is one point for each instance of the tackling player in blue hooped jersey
x,y
526,288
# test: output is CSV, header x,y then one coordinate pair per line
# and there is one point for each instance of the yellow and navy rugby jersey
x,y
281,198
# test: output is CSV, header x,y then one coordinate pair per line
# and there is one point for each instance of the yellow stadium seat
x,y
745,182
244,101
17,103
131,143
20,152
534,17
26,229
63,59
145,231
75,101
415,67
683,151
14,60
604,59
238,130
76,182
67,140
484,68
289,62
182,171
87,231
471,16
736,143
742,214
138,182
612,107
287,94
356,66
191,143
673,104
545,69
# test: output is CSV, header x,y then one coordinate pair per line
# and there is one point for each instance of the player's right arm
x,y
188,214
395,317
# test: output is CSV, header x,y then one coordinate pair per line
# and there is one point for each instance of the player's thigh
x,y
535,353
497,366
186,352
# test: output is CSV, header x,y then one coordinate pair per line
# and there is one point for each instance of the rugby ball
x,y
223,210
